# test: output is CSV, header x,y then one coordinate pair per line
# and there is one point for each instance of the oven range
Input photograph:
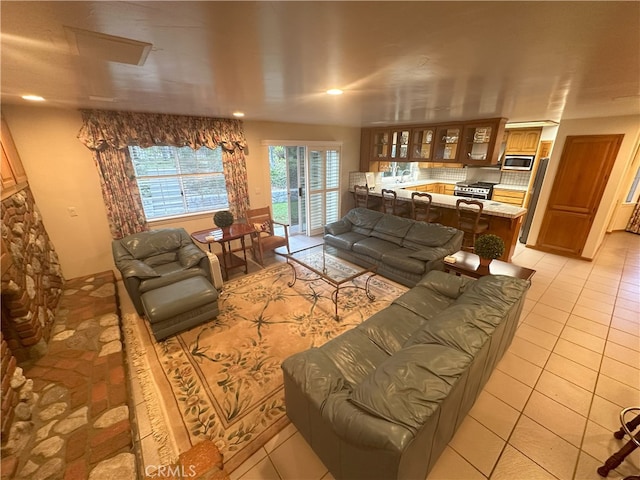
x,y
479,190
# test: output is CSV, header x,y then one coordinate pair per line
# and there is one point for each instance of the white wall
x,y
62,174
627,125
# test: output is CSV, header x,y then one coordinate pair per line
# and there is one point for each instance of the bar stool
x,y
361,195
616,459
390,203
470,221
421,209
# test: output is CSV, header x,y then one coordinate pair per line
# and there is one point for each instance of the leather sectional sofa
x,y
382,400
402,249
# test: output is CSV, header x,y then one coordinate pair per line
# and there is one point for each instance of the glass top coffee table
x,y
323,261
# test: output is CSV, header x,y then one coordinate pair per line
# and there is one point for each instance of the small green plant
x,y
223,218
489,246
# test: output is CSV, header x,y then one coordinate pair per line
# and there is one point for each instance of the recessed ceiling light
x,y
238,114
334,91
33,98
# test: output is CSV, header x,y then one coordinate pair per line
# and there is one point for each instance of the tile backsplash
x,y
515,178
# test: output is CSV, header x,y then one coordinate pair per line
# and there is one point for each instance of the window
x,y
176,181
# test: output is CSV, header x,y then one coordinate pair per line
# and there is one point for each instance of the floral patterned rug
x,y
222,380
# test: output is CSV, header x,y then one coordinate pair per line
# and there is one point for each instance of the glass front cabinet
x,y
421,144
475,142
447,143
479,144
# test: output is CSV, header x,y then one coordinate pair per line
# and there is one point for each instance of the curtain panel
x,y
109,134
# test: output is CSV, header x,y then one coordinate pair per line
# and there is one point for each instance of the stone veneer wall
x,y
32,285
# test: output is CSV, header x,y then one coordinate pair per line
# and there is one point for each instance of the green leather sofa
x,y
382,400
402,249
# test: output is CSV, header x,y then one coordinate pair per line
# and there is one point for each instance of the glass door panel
x,y
447,141
422,144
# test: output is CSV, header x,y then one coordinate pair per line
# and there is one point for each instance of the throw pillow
x,y
264,228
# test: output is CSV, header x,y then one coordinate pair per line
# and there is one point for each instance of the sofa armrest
x,y
214,267
190,255
337,228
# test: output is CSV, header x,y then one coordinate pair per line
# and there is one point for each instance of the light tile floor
x,y
549,409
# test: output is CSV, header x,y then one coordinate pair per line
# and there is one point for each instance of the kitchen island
x,y
504,220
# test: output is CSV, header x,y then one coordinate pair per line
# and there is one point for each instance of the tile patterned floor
x,y
549,409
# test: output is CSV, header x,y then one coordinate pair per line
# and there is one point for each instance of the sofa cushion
x,y
344,240
153,242
423,302
392,228
363,220
409,386
402,259
442,283
161,258
459,327
428,254
373,247
190,255
391,336
168,274
498,291
428,234
354,355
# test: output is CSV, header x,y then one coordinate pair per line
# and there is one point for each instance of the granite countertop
x,y
496,209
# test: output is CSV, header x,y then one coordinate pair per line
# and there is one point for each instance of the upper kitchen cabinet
x,y
14,176
479,141
421,144
400,144
380,142
447,143
523,141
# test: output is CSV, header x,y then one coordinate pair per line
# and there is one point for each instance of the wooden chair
x,y
422,210
264,238
361,195
634,442
470,221
390,203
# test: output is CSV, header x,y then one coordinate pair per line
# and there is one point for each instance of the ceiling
x,y
397,62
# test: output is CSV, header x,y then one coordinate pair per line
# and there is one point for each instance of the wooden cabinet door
x,y
8,180
530,141
447,143
523,141
585,166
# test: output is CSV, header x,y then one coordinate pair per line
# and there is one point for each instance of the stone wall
x,y
32,282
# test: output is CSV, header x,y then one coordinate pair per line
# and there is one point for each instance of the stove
x,y
479,190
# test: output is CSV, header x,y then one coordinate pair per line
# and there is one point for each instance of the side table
x,y
468,263
224,236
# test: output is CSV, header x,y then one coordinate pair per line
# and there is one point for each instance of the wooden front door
x,y
583,173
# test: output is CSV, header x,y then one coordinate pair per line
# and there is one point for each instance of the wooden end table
x,y
468,263
224,236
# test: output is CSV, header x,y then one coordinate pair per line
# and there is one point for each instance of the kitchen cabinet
x,y
400,145
523,141
421,144
479,142
440,145
14,176
512,197
380,144
447,143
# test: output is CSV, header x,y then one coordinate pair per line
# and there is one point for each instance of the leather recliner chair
x,y
168,278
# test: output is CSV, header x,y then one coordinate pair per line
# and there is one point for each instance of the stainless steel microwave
x,y
518,162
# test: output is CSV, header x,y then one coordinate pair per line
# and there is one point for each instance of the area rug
x,y
222,380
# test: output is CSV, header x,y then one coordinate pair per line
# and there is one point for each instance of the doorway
x,y
305,186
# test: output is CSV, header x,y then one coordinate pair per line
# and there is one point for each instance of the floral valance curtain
x,y
109,134
118,130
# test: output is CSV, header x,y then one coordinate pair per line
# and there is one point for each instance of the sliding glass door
x,y
305,186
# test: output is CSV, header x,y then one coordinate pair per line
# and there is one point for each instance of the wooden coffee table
x,y
468,263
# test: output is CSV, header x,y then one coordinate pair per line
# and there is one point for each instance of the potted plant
x,y
223,218
488,247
